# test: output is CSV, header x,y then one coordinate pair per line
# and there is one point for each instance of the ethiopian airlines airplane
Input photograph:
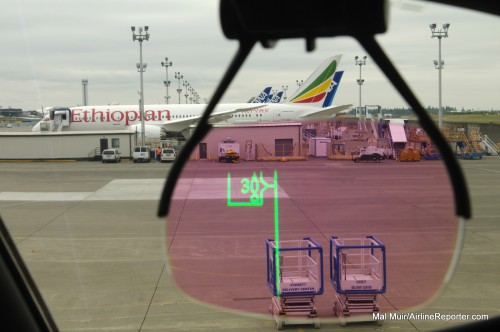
x,y
306,104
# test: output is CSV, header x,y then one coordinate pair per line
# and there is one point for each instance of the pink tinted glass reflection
x,y
218,252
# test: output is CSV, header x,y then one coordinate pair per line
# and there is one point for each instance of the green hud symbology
x,y
255,187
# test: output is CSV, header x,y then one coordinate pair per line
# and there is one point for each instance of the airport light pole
x,y
285,87
360,80
439,64
179,77
141,68
186,87
196,98
191,91
166,64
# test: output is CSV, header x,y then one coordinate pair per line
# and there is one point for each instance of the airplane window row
x,y
245,115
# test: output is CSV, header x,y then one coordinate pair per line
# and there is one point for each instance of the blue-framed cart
x,y
294,277
358,275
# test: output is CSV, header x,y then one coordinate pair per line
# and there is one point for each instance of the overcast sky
x,y
49,46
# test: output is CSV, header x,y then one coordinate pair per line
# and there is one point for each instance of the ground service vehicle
x,y
367,154
229,156
141,154
111,156
369,157
168,154
228,151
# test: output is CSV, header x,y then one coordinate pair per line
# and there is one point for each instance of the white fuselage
x,y
175,117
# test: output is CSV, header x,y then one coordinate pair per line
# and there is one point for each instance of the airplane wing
x,y
224,115
325,112
179,125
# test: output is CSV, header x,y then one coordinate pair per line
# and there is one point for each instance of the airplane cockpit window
x,y
327,203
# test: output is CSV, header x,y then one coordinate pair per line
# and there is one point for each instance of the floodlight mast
x,y
166,64
439,64
179,77
141,68
360,80
186,89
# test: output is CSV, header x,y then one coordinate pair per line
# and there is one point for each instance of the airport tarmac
x,y
90,237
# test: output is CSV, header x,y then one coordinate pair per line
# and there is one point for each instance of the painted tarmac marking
x,y
487,169
136,190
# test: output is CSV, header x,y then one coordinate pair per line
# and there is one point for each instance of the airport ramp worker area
x,y
90,237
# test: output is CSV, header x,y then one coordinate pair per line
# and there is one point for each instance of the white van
x,y
141,154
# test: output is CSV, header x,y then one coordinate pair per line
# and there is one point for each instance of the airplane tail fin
x,y
335,84
268,98
277,97
261,98
315,88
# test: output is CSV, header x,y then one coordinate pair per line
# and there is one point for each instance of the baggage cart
x,y
358,275
294,277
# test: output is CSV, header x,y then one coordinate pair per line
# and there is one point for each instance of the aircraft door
x,y
57,120
61,117
277,116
